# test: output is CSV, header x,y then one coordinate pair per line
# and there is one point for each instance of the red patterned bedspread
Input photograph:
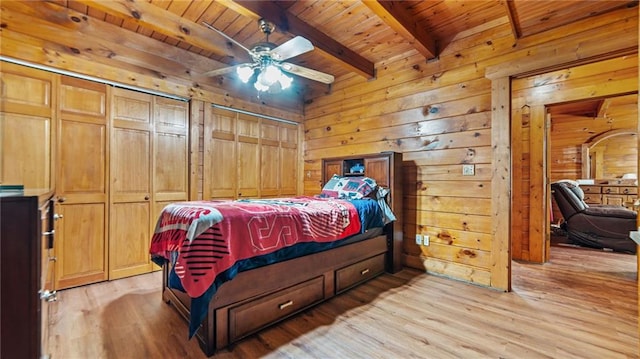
x,y
210,236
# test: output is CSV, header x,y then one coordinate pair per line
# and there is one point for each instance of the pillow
x,y
348,187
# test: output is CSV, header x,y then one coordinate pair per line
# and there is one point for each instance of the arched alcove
x,y
593,162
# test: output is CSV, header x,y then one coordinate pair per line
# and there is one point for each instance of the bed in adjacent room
x,y
234,267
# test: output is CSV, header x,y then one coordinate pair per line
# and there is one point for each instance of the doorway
x,y
533,97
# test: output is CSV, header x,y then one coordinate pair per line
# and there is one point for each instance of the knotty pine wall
x,y
438,114
531,143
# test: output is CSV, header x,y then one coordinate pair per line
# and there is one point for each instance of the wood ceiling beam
x,y
395,14
603,107
287,22
170,24
512,14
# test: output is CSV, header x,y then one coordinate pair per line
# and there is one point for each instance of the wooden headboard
x,y
385,168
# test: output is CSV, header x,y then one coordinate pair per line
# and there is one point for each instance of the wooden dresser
x,y
26,231
610,194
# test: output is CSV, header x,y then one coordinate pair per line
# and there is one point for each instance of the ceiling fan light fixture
x,y
270,75
285,81
267,69
260,87
244,73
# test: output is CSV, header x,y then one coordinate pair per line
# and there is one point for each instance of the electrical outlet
x,y
468,170
419,239
425,240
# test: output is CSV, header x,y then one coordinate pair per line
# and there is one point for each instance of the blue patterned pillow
x,y
348,187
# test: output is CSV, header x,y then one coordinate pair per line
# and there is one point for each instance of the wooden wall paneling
x,y
83,186
413,107
220,154
27,127
131,203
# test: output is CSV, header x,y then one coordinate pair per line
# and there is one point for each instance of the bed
x,y
269,280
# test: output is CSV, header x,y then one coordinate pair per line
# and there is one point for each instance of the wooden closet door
x,y
220,162
27,105
289,159
270,161
248,152
80,241
171,151
131,192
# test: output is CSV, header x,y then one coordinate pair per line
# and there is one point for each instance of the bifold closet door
x,y
131,191
171,151
82,185
27,126
220,155
289,159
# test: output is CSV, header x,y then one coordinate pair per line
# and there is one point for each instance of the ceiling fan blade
x,y
227,37
222,71
294,47
307,72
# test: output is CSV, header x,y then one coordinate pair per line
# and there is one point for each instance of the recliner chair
x,y
596,226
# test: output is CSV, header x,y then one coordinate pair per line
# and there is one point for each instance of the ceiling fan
x,y
269,61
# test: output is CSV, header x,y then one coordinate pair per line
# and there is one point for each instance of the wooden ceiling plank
x,y
94,45
114,20
170,24
291,24
85,26
74,5
395,15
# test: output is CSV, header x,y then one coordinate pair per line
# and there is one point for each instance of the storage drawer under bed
x,y
357,273
253,315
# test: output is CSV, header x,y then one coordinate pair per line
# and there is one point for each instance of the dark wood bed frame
x,y
260,297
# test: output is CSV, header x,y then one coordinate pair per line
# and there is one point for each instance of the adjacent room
x,y
319,179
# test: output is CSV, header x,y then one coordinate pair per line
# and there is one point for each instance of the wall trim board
x,y
255,114
90,78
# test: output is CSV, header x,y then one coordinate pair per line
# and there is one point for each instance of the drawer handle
x,y
49,233
286,304
364,271
626,191
608,190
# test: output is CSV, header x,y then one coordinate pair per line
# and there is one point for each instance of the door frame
x,y
501,182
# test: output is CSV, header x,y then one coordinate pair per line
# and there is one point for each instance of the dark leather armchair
x,y
596,226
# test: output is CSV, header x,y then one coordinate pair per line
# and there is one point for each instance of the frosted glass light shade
x,y
245,73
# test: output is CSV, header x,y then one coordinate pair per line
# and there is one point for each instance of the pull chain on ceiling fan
x,y
269,61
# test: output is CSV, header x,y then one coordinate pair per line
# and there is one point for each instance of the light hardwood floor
x,y
583,304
